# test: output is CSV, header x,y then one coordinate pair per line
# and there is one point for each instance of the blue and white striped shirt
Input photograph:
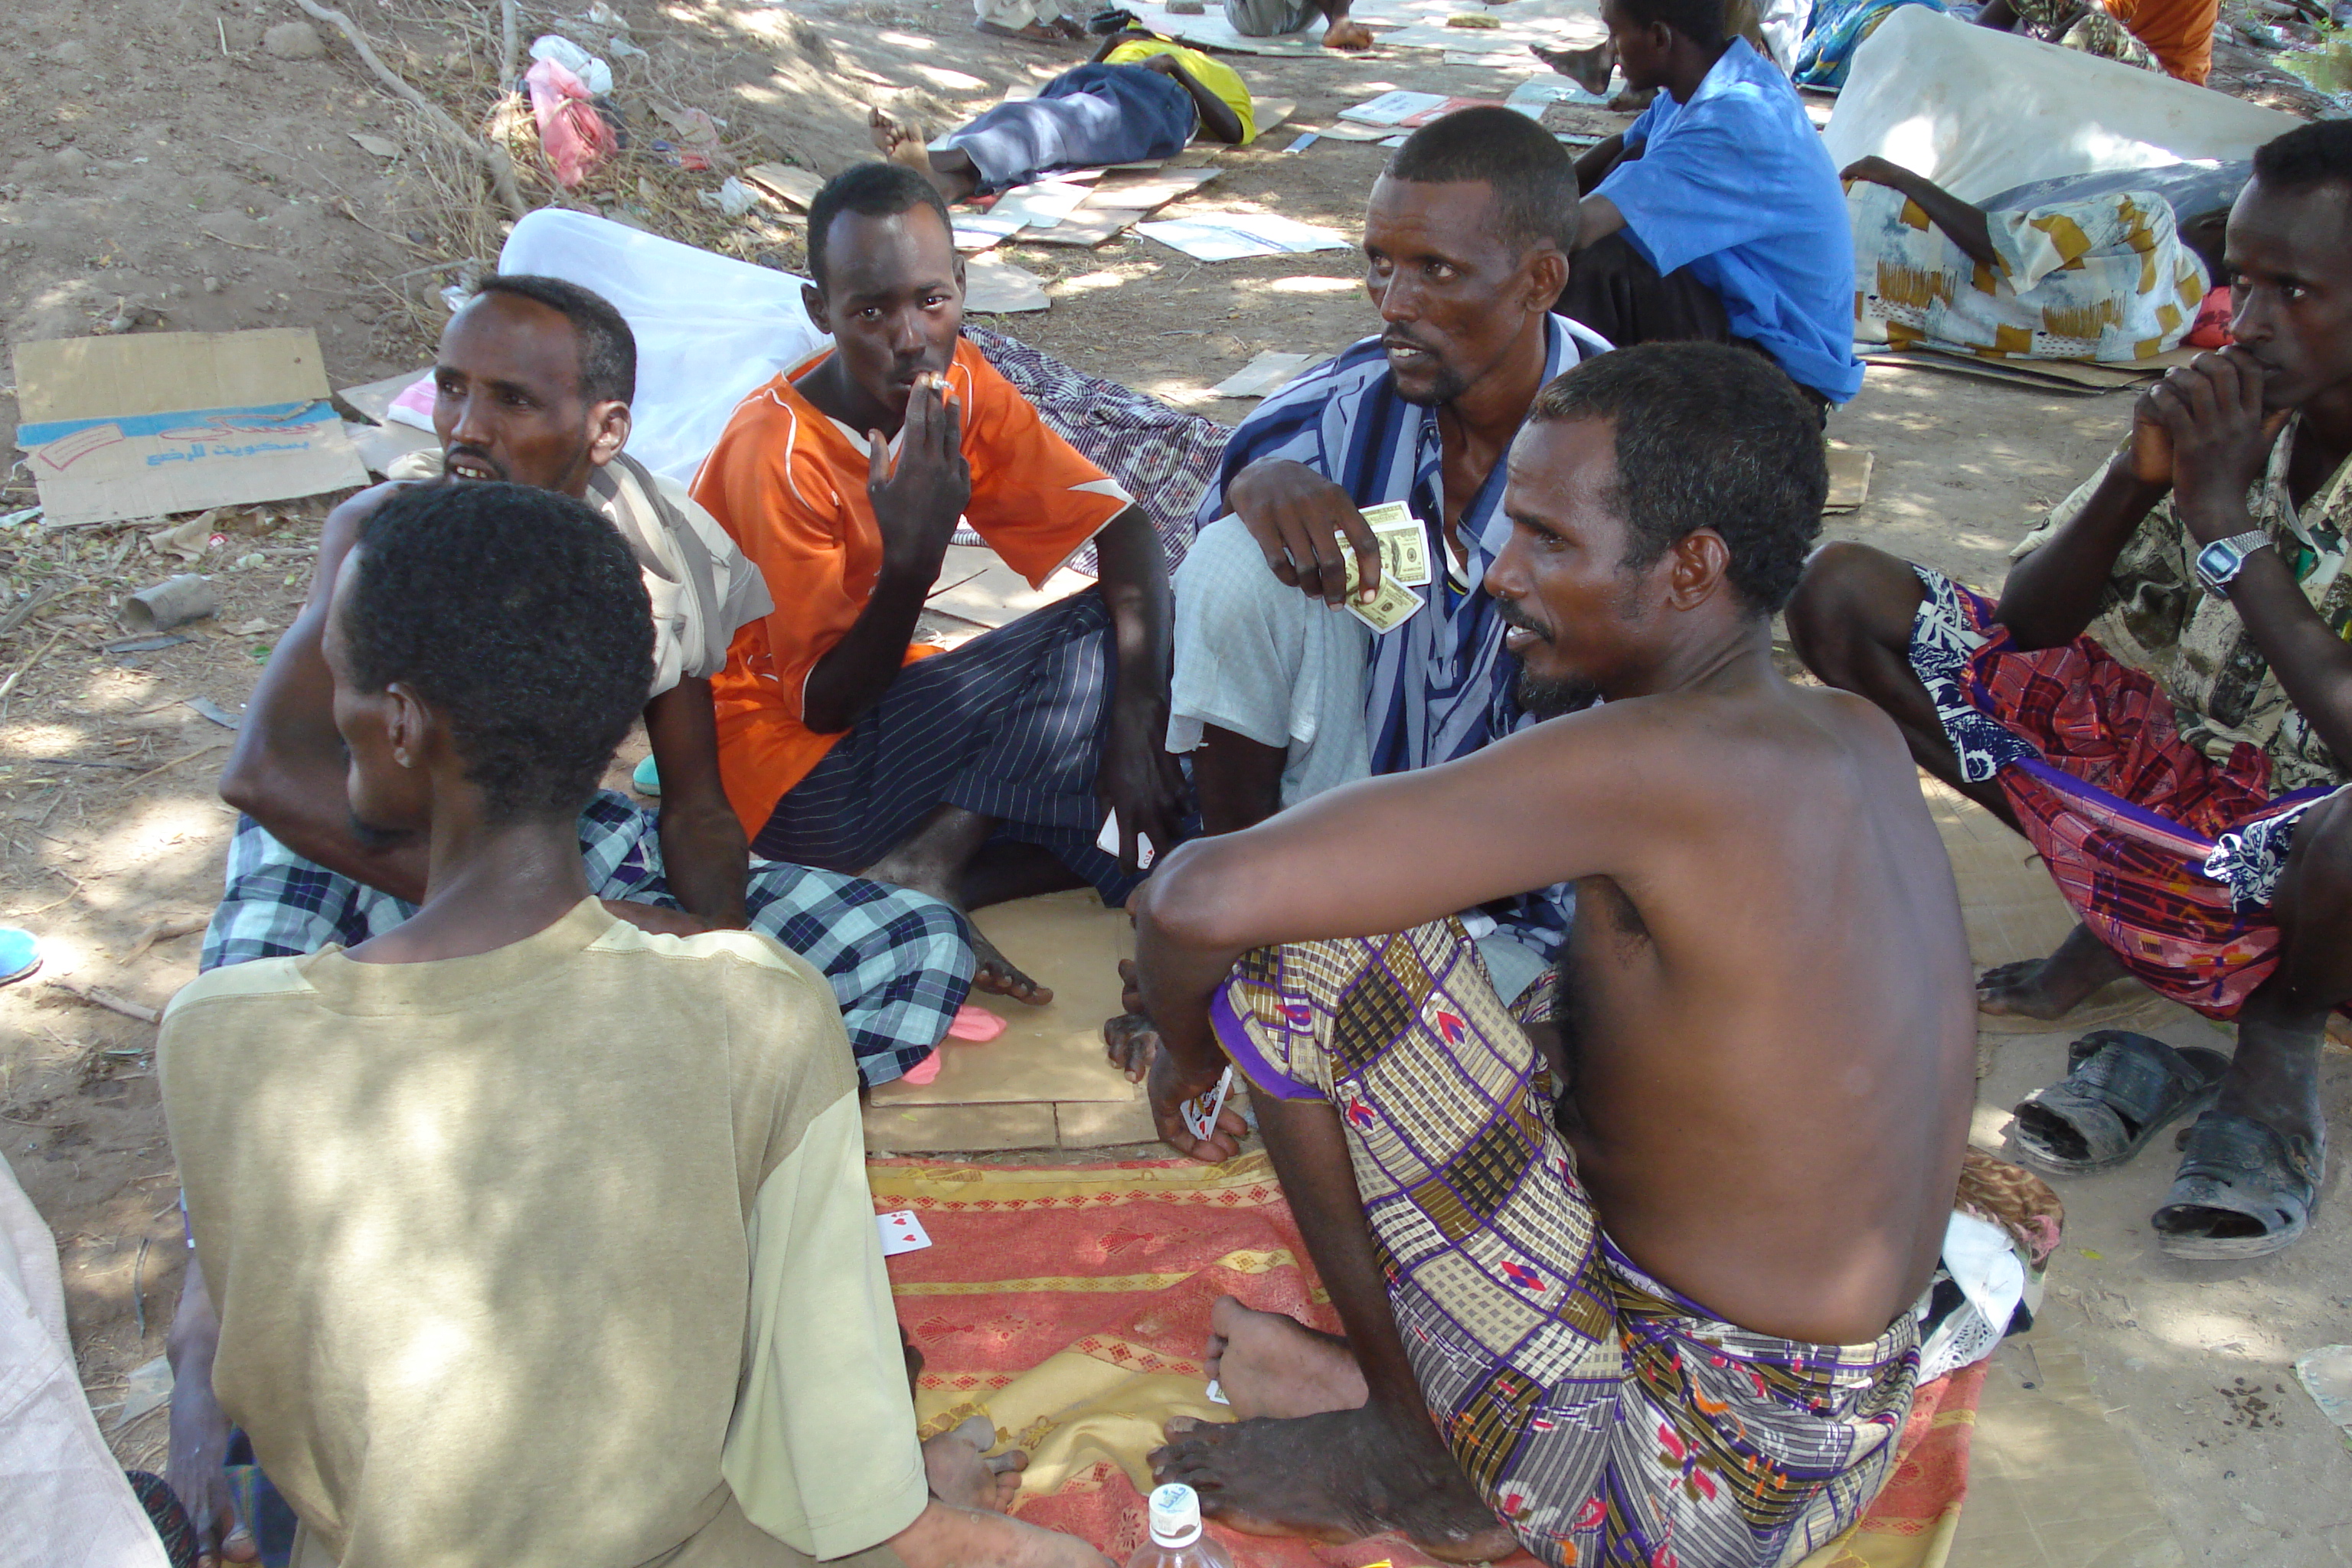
x,y
1440,687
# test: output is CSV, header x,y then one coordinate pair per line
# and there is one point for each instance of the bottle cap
x,y
1175,1515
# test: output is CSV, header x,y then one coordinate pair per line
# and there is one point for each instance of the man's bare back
x,y
1767,1014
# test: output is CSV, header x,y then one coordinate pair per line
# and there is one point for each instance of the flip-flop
x,y
20,953
647,779
2120,1091
976,1025
2236,1165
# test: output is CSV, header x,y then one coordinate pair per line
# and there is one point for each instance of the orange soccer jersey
x,y
788,484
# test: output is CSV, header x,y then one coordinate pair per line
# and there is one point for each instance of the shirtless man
x,y
1766,1054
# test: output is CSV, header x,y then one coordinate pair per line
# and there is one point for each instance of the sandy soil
x,y
158,161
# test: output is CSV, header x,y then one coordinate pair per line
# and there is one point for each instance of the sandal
x,y
2239,1172
2120,1091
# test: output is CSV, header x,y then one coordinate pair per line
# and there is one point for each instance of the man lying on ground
x,y
2168,766
2175,36
1716,215
1141,97
1278,19
1676,1307
469,1194
2107,277
1279,694
975,775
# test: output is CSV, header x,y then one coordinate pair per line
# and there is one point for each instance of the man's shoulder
x,y
737,958
262,977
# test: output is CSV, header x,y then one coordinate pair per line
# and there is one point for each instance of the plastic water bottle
x,y
1177,1539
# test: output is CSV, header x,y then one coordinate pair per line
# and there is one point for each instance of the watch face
x,y
2216,562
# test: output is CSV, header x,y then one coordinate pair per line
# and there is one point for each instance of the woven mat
x,y
1070,1306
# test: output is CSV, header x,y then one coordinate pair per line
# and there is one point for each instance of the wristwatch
x,y
2219,563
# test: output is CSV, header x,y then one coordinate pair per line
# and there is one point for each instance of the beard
x,y
1449,384
1551,699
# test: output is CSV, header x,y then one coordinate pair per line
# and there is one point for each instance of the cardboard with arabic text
x,y
166,422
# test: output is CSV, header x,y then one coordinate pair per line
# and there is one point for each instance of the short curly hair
x,y
1707,436
521,617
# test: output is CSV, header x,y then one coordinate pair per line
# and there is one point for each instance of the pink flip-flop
x,y
927,1069
977,1025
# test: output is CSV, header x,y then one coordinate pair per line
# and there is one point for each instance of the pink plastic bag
x,y
574,136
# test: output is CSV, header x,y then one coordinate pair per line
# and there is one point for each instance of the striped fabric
x,y
1010,725
899,964
1440,687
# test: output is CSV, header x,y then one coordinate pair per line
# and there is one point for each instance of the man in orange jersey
x,y
976,775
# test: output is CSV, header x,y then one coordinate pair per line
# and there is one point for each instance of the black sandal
x,y
2120,1090
2245,1176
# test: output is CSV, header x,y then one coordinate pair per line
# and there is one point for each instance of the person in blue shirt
x,y
1717,214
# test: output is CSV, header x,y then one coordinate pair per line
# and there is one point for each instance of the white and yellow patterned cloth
x,y
2105,278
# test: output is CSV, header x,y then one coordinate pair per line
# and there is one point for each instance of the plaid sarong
x,y
1606,1419
2169,857
899,963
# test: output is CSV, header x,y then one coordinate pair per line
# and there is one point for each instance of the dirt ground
x,y
161,165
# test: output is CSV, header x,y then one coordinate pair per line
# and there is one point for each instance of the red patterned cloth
x,y
1071,1305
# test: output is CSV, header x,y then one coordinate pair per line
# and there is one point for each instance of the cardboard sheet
x,y
1849,477
167,421
1263,374
1231,236
993,287
2046,374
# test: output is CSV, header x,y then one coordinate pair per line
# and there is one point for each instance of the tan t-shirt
x,y
560,1254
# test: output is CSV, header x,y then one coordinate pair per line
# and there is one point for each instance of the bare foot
x,y
1000,976
1130,1040
900,141
2050,987
1270,1363
1346,34
961,1476
1336,1477
1588,68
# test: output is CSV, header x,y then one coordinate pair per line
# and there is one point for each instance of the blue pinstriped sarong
x,y
1010,726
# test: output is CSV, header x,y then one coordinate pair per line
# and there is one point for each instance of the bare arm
x,y
199,1433
1607,780
1137,778
287,769
1998,16
1964,225
704,856
915,509
1593,165
2052,594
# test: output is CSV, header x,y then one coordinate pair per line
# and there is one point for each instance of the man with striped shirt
x,y
1278,694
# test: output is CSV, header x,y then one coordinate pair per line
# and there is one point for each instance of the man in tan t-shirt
x,y
536,1237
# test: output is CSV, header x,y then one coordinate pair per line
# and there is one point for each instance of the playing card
x,y
1199,1112
901,1232
1217,1393
1107,842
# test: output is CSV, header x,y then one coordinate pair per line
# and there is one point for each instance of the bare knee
x,y
1852,598
2315,890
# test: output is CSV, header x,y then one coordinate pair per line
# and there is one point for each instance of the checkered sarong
x,y
1607,1419
899,963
